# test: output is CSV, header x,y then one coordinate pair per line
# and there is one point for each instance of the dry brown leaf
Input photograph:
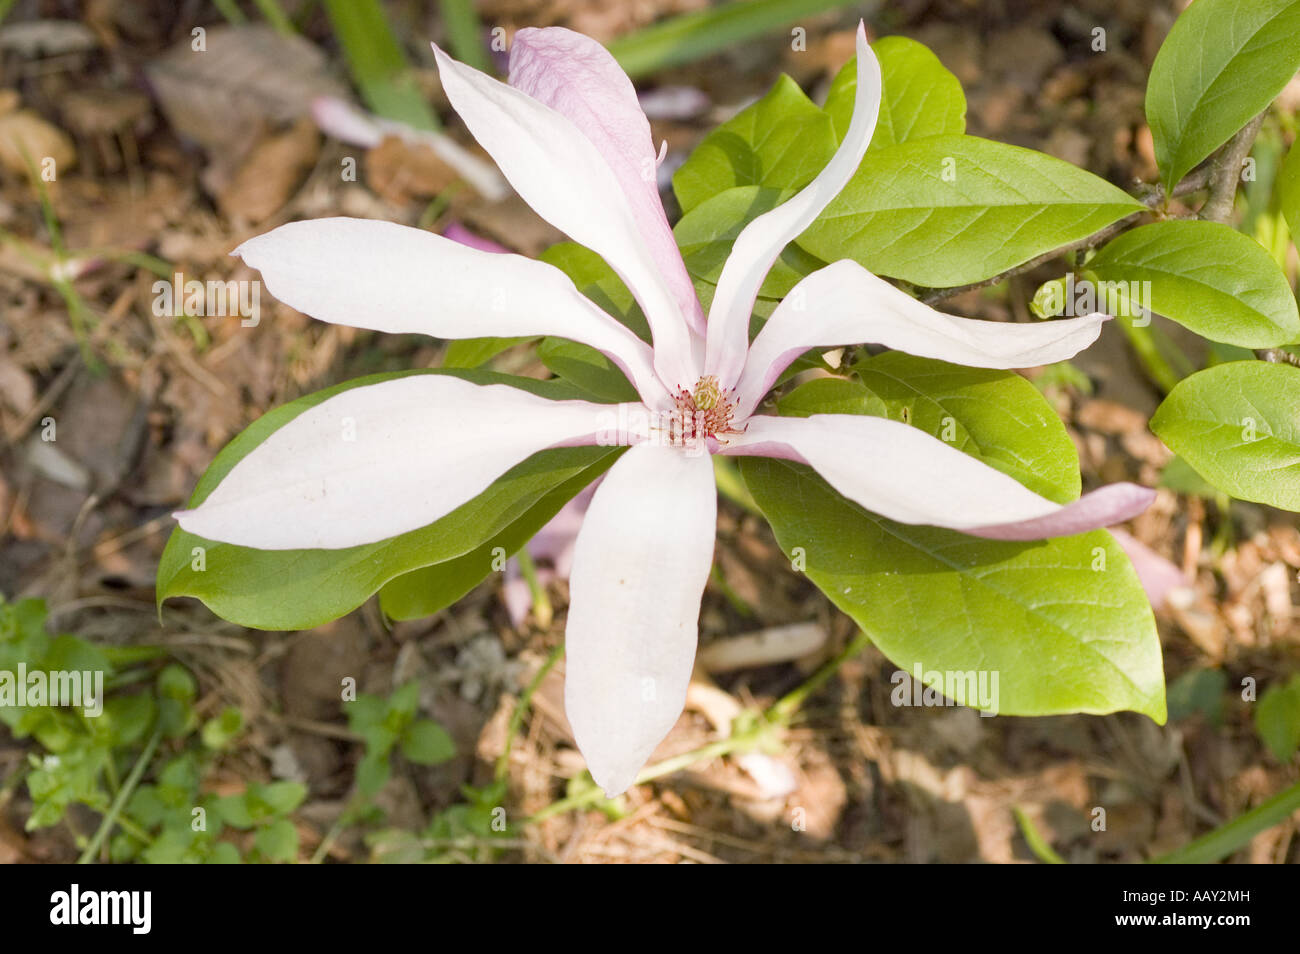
x,y
401,171
27,140
271,173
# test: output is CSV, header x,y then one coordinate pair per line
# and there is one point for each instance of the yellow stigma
x,y
707,393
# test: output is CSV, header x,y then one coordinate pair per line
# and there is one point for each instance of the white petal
x,y
576,76
762,240
845,304
639,568
557,171
903,473
379,460
394,278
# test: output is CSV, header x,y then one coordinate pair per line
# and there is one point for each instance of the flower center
x,y
703,412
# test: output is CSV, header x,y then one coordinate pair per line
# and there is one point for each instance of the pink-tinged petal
x,y
376,461
762,240
463,236
1113,503
340,119
394,278
845,304
554,543
1159,577
576,76
904,474
639,569
516,595
557,171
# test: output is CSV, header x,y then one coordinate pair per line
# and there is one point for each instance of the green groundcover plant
x,y
927,489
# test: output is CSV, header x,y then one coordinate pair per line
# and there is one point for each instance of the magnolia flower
x,y
376,461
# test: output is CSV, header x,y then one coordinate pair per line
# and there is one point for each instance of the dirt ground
x,y
184,167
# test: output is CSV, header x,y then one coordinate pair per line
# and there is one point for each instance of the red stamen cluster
x,y
702,413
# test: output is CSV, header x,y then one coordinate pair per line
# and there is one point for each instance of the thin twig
x,y
933,295
1226,172
1224,179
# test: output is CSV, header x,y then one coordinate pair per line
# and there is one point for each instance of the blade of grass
x,y
1224,840
1034,838
465,33
274,14
230,10
123,795
699,34
377,63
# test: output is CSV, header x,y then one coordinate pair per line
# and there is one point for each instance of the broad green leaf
x,y
920,97
1277,719
1180,477
949,210
780,142
1063,623
424,591
300,589
707,233
595,279
475,352
1223,62
1208,277
1238,426
996,416
1288,191
587,369
832,396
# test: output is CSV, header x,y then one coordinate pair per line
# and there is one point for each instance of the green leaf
x,y
424,591
724,26
1237,425
427,743
372,772
475,352
234,811
1223,62
223,853
1277,719
1179,477
1198,690
949,210
995,416
597,281
832,396
403,701
278,841
920,97
300,589
219,731
129,717
586,368
279,798
1063,623
1208,277
780,142
377,63
706,234
1288,190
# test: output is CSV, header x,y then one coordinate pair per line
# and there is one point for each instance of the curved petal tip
x,y
1103,507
